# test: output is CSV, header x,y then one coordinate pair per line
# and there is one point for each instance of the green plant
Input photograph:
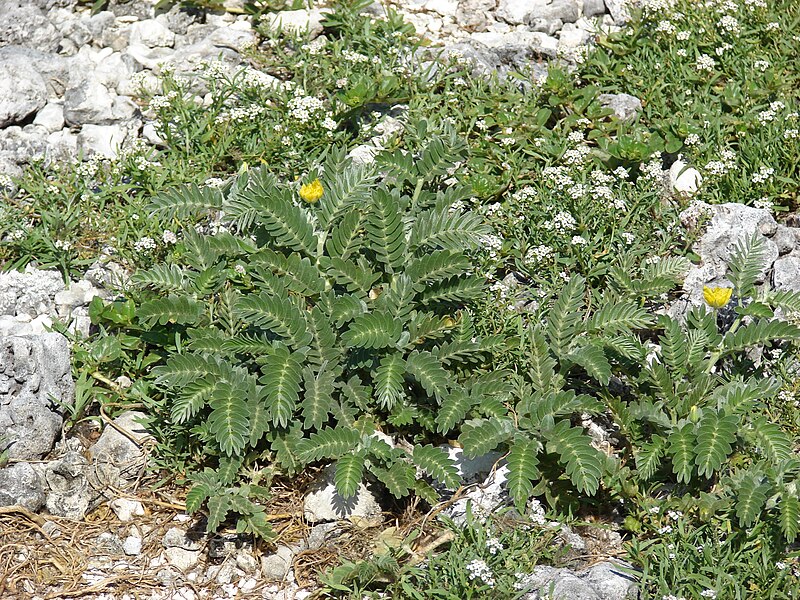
x,y
313,326
479,559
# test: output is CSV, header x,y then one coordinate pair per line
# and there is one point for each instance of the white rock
x,y
23,91
112,69
138,83
149,58
132,545
151,135
152,34
295,21
323,503
105,140
571,36
233,38
683,179
443,7
515,11
182,559
51,117
126,509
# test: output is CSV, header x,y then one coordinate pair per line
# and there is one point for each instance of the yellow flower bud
x,y
311,192
717,297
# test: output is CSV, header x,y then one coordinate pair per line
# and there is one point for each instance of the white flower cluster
x,y
168,237
240,114
493,545
538,254
652,169
145,245
723,166
765,116
576,156
761,65
705,63
578,241
253,78
755,4
666,26
628,237
213,69
524,195
536,512
764,203
558,175
162,102
729,24
563,222
656,8
315,46
764,174
62,245
354,57
303,108
478,569
493,244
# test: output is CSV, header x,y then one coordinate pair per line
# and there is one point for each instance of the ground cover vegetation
x,y
496,277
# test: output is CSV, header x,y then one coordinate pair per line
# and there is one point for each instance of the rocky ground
x,y
77,517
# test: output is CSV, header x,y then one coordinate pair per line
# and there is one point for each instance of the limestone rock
x,y
22,485
35,379
118,450
22,92
297,21
69,494
51,117
626,107
324,503
105,140
152,34
24,24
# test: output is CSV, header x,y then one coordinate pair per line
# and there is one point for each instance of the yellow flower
x,y
311,192
717,297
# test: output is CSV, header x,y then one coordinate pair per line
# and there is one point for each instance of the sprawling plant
x,y
686,406
316,322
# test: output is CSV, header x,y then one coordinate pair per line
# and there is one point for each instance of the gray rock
x,y
98,24
108,544
126,509
21,145
471,14
516,12
246,561
22,92
132,546
133,8
22,485
784,239
233,39
566,11
275,567
35,383
69,494
88,101
626,107
322,534
593,8
182,559
619,10
51,117
29,293
786,274
75,30
482,500
152,33
729,224
117,450
105,140
516,47
572,36
295,21
53,68
79,293
175,537
551,582
24,24
323,503
604,581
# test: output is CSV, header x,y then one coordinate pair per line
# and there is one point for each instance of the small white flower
x,y
705,63
239,269
168,237
578,241
709,594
